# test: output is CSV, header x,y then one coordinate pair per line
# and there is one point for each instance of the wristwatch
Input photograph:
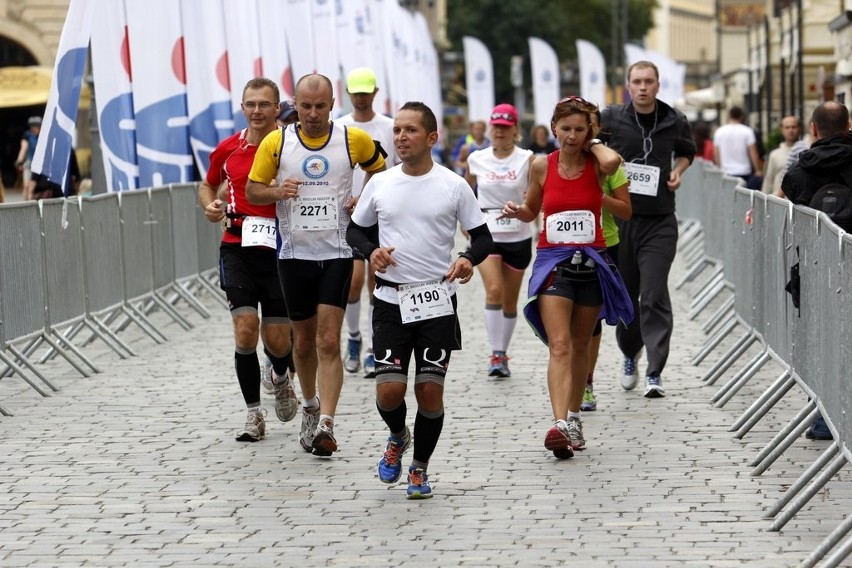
x,y
594,141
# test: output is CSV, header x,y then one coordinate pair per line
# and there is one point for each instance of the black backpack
x,y
835,200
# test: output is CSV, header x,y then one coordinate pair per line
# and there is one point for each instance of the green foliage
x,y
505,25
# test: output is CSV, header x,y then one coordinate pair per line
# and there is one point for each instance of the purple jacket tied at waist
x,y
616,301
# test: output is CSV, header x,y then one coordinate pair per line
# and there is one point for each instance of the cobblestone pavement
x,y
137,466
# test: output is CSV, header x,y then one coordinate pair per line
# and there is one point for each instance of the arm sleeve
x,y
481,244
362,238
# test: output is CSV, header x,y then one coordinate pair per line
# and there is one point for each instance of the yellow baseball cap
x,y
361,80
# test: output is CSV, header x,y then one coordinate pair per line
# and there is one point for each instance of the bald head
x,y
830,118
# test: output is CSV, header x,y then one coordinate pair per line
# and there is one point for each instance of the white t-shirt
x,y
499,180
418,216
381,129
732,141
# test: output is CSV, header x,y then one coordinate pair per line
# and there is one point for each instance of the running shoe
x,y
557,438
590,403
418,483
629,374
654,386
324,443
286,403
499,365
390,466
310,419
353,354
255,428
575,434
266,376
370,365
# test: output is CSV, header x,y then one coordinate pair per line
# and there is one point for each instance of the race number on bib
x,y
424,300
574,227
644,180
314,213
259,232
504,225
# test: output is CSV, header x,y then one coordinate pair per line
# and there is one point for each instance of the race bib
x,y
314,213
504,225
571,227
424,300
644,180
259,232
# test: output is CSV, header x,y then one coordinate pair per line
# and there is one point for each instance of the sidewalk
x,y
138,466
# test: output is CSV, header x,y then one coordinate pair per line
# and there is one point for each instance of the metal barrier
x,y
753,240
98,265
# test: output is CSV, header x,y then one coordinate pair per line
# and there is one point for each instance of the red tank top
x,y
581,194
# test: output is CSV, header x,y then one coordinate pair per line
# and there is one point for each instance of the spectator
x,y
475,141
540,141
27,151
703,141
735,147
776,163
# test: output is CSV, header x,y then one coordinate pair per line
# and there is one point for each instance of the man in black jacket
x,y
648,134
827,158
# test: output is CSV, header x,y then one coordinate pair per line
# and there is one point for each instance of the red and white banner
x,y
326,61
244,61
113,86
159,92
208,90
274,44
300,37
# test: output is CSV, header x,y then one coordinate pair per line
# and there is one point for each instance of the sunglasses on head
x,y
502,116
573,98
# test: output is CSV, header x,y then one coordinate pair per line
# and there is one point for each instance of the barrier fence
x,y
79,270
101,264
746,246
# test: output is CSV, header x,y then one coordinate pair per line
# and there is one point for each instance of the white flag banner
x,y
375,10
429,69
299,33
408,53
479,79
356,47
592,73
111,71
327,63
242,37
58,129
208,92
159,92
544,66
275,47
632,54
391,51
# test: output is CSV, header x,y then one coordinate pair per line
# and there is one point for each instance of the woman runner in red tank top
x,y
566,283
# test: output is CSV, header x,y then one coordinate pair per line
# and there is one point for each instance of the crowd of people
x,y
314,208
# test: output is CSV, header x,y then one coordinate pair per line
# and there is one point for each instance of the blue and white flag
x,y
479,79
544,65
53,150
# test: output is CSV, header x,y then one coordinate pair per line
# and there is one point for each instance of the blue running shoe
x,y
390,466
418,483
370,365
499,365
353,354
654,386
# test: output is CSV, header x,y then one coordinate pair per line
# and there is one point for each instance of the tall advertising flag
x,y
479,79
323,18
53,149
208,90
244,62
592,73
112,76
356,45
545,79
276,54
159,92
299,34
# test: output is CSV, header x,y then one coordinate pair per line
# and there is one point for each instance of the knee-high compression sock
x,y
394,417
279,364
427,430
509,321
494,326
248,375
353,318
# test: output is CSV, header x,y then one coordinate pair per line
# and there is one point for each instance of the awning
x,y
29,86
702,98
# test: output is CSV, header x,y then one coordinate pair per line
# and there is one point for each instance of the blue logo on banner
x,y
116,115
209,128
57,140
162,137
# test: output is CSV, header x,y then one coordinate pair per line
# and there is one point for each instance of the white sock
x,y
509,322
353,318
494,326
368,336
572,414
312,403
324,417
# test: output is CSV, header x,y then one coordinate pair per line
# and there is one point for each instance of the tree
x,y
504,26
